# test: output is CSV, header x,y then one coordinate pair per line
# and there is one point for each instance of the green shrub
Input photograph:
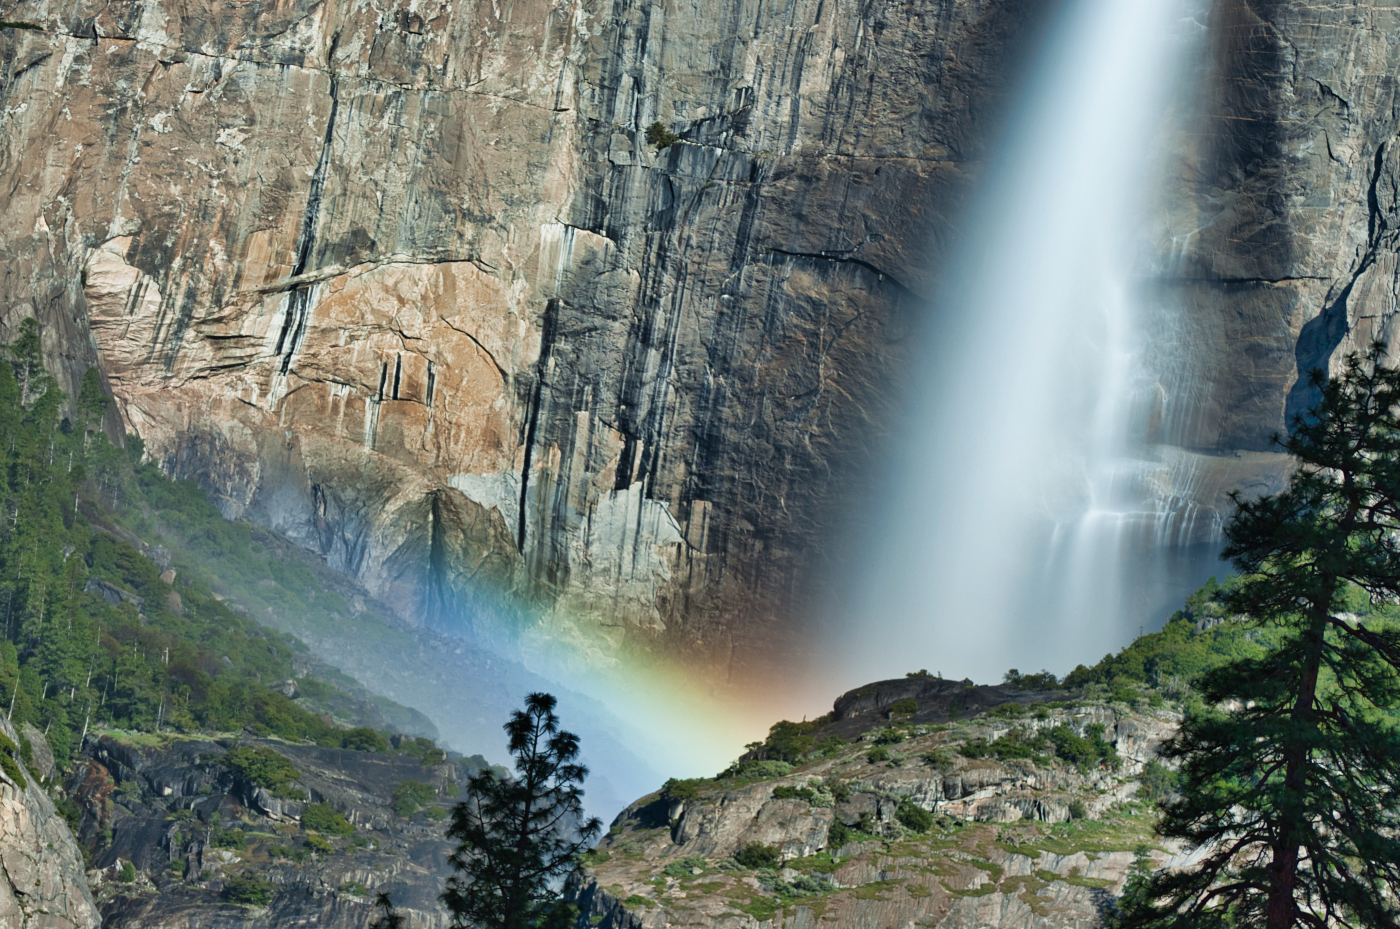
x,y
756,855
1077,810
877,754
318,844
423,749
684,867
354,887
786,792
247,890
941,758
763,769
127,875
661,137
838,835
262,767
436,813
228,838
890,736
1084,751
319,817
1007,711
411,796
363,739
1156,781
682,791
914,817
1124,692
1042,681
1013,746
905,707
8,751
789,741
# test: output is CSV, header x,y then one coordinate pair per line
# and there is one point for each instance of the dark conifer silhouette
x,y
1290,777
518,837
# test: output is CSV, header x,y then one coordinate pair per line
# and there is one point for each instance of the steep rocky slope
x,y
406,283
919,819
204,843
42,885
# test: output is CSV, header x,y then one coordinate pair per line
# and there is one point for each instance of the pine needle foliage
x,y
1290,775
518,837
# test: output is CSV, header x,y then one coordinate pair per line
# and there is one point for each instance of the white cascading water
x,y
1026,520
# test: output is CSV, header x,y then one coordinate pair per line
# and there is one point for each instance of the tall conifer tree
x,y
1290,776
518,836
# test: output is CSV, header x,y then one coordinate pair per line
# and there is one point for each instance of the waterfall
x,y
1034,516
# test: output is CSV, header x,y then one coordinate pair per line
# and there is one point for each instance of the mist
x,y
1026,519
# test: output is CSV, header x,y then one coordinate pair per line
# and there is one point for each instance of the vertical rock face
x,y
1284,217
42,885
406,282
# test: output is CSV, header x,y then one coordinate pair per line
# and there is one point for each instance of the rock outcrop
x,y
408,284
42,885
905,825
202,844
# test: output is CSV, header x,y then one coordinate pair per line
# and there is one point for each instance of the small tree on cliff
x,y
1290,778
519,836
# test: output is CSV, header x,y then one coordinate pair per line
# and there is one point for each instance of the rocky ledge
x,y
1028,815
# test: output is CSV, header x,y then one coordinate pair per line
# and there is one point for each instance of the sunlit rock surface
x,y
1033,843
406,283
41,869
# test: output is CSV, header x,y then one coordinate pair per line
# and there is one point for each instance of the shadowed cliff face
x,y
1282,218
405,282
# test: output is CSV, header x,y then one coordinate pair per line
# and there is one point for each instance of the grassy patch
x,y
823,863
992,869
876,889
760,908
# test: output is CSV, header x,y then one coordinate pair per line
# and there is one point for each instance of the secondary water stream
x,y
1028,521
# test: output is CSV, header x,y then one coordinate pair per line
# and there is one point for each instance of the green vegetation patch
x,y
914,817
8,751
262,767
320,817
411,796
247,890
756,855
685,867
661,137
876,890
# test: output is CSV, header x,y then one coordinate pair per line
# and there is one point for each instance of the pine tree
x,y
519,836
1290,774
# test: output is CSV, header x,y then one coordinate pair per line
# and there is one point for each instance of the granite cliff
x,y
407,284
404,281
42,884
